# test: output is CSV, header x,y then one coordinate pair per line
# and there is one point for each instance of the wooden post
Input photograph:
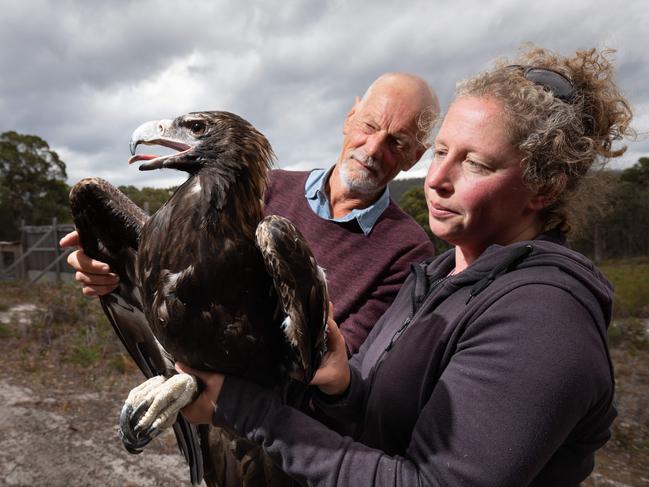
x,y
20,271
57,251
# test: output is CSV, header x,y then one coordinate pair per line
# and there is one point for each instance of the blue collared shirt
x,y
314,191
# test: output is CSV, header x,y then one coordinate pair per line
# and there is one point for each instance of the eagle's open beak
x,y
157,132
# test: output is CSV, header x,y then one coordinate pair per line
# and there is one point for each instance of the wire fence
x,y
37,255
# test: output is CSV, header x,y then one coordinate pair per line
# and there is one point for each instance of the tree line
x,y
33,190
33,186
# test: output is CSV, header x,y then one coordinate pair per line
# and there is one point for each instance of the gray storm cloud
x,y
83,75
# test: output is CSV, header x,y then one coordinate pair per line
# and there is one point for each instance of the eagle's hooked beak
x,y
157,132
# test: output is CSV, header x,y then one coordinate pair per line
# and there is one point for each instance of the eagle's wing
x,y
302,289
109,226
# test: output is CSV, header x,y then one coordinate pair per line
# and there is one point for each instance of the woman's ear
x,y
549,193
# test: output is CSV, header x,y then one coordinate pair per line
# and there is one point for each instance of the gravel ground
x,y
58,425
58,436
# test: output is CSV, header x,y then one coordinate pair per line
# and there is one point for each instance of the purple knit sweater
x,y
364,272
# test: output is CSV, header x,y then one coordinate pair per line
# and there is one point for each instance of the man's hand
x,y
333,376
201,410
96,277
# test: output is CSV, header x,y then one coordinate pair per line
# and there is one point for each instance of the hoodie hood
x,y
586,282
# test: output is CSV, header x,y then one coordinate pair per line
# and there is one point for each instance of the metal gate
x,y
38,254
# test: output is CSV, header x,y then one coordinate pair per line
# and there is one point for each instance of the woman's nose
x,y
439,176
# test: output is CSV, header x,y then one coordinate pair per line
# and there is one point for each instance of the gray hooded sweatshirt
x,y
497,376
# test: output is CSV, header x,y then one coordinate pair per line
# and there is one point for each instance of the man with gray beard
x,y
364,241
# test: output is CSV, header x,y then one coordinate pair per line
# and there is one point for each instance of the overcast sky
x,y
83,74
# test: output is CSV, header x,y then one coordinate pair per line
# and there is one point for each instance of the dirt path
x,y
60,437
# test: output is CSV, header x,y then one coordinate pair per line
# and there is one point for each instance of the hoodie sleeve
x,y
529,372
303,447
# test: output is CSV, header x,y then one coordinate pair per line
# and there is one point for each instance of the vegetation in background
x,y
630,280
32,184
150,199
399,186
413,202
623,230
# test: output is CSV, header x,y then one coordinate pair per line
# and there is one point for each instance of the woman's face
x,y
474,187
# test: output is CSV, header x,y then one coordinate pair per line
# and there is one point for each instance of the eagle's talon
x,y
126,433
157,402
137,414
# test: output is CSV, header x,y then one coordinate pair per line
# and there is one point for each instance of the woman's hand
x,y
96,277
333,376
201,410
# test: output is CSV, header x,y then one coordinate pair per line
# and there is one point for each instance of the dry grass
x,y
59,328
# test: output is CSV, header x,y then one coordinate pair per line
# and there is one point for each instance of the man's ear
x,y
419,151
350,115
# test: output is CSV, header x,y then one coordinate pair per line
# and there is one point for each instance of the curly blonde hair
x,y
560,140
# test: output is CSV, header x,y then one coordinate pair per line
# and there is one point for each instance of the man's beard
x,y
360,179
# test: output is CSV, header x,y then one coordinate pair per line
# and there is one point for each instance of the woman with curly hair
x,y
492,366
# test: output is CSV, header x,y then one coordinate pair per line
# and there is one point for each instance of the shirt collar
x,y
316,195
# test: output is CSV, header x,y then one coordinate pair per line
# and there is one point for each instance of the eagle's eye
x,y
197,128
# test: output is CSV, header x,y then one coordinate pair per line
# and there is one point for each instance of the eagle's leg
x,y
152,407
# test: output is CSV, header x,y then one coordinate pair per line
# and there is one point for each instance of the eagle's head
x,y
203,140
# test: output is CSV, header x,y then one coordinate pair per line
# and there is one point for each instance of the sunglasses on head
x,y
556,83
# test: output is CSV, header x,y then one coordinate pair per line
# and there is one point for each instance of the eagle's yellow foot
x,y
153,406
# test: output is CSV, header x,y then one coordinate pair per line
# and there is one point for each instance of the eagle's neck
x,y
230,202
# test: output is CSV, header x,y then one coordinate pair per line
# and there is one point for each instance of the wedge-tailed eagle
x,y
207,281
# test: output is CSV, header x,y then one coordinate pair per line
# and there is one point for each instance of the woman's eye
x,y
477,166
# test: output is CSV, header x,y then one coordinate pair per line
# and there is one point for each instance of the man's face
x,y
380,139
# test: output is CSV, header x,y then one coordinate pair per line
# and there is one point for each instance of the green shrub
x,y
5,332
629,332
86,355
631,283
